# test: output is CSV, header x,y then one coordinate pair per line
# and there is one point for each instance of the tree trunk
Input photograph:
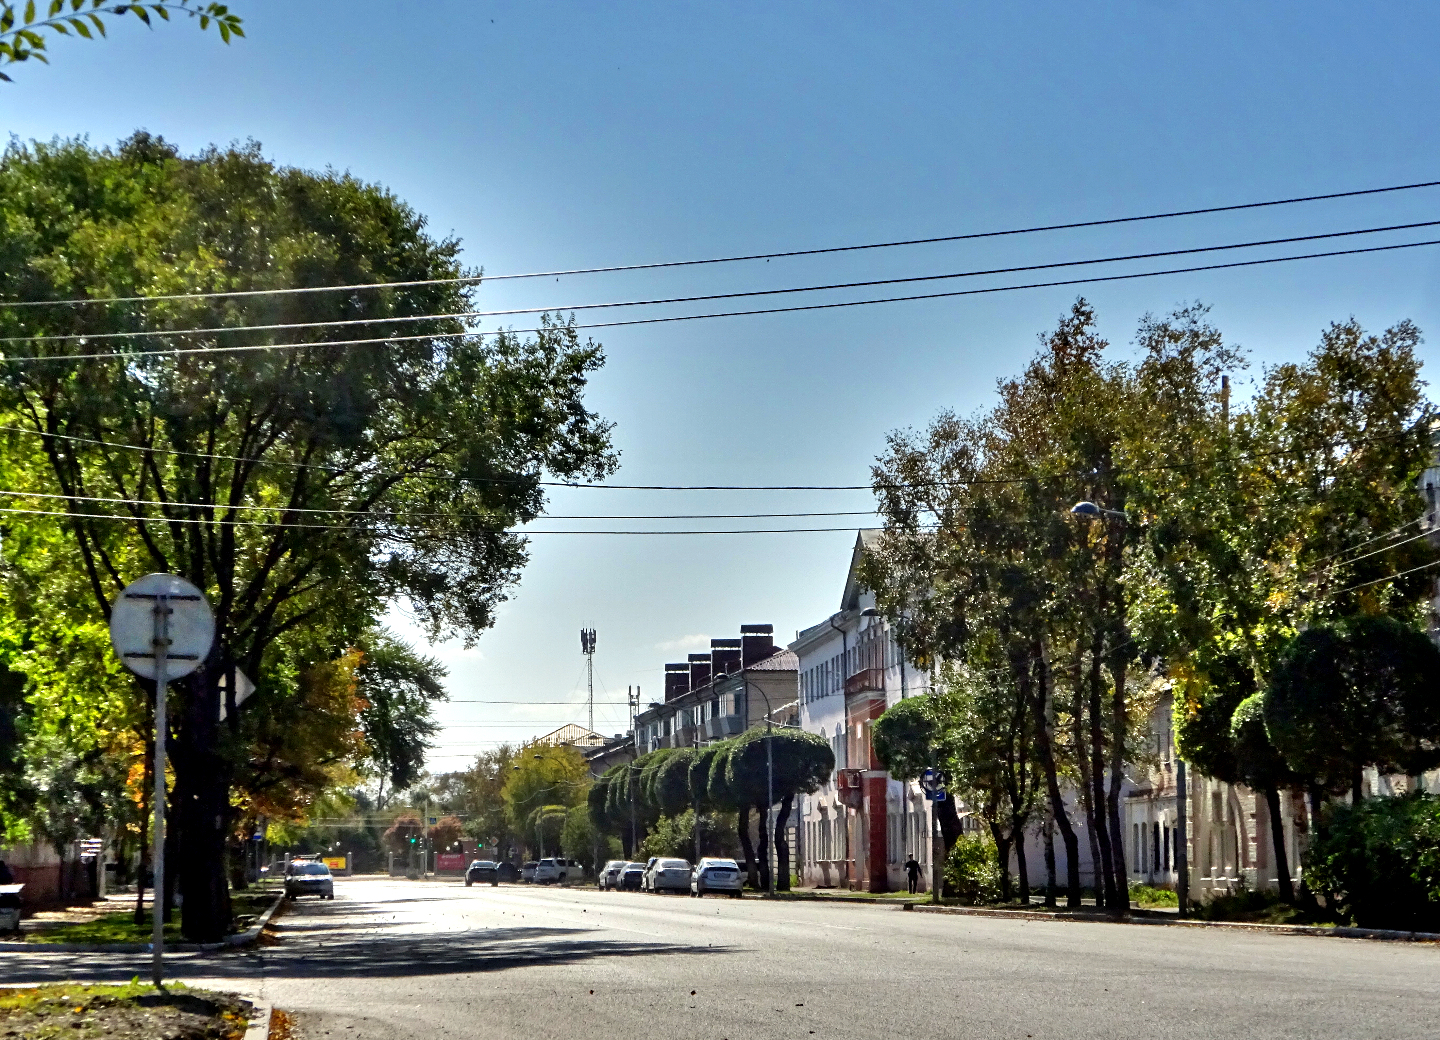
x,y
1087,802
203,813
1021,868
763,825
782,847
1119,726
1097,785
1357,786
1050,880
1002,849
743,826
1045,745
1277,838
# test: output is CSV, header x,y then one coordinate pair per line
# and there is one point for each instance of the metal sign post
x,y
169,616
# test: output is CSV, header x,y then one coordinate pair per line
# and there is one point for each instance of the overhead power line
x,y
405,514
1389,577
708,297
795,309
737,258
162,520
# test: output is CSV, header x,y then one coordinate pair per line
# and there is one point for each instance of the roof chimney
x,y
757,643
699,670
724,655
677,680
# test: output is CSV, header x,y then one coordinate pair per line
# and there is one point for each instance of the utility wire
x,y
225,507
342,527
1389,577
972,482
1093,280
871,283
971,236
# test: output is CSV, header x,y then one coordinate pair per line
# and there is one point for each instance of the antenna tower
x,y
587,647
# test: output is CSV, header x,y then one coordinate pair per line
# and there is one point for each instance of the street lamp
x,y
1090,511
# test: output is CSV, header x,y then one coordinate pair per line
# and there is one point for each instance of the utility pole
x,y
1182,841
587,647
695,802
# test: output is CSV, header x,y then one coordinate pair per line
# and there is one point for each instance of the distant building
x,y
570,736
722,693
861,826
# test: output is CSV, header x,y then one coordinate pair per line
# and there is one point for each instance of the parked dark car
x,y
482,870
631,877
509,873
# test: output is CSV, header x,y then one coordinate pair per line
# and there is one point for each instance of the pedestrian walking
x,y
912,871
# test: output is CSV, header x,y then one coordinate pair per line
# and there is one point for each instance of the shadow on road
x,y
375,956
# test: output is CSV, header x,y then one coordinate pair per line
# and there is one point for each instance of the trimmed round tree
x,y
1260,766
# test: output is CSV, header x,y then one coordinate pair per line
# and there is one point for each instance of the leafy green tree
x,y
305,483
23,29
1356,694
544,828
553,778
399,688
795,762
725,796
579,839
477,795
1260,766
670,790
1378,862
908,739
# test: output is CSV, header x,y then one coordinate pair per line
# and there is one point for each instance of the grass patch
x,y
120,927
1148,897
127,1012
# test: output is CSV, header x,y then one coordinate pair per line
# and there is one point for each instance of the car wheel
x,y
467,882
734,895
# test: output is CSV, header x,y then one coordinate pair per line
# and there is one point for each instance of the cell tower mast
x,y
587,647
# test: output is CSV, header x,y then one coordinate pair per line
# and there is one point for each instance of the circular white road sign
x,y
191,626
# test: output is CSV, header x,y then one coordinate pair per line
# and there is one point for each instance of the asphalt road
x,y
396,959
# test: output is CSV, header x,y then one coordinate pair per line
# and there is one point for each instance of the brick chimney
x,y
677,680
757,642
699,670
724,656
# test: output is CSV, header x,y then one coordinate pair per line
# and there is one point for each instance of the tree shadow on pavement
x,y
349,955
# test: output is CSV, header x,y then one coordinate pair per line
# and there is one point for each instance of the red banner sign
x,y
450,861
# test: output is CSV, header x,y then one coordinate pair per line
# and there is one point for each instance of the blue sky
x,y
554,135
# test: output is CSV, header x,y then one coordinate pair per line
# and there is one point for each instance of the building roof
x,y
574,735
784,661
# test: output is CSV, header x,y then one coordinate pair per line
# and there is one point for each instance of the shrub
x,y
675,836
972,873
1378,863
1148,895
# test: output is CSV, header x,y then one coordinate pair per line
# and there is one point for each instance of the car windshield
x,y
721,864
547,863
674,864
634,866
311,868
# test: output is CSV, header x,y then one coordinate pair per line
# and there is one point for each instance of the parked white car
x,y
663,874
555,869
716,875
610,877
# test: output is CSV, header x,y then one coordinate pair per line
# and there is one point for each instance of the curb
x,y
259,1027
805,897
245,938
1380,934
